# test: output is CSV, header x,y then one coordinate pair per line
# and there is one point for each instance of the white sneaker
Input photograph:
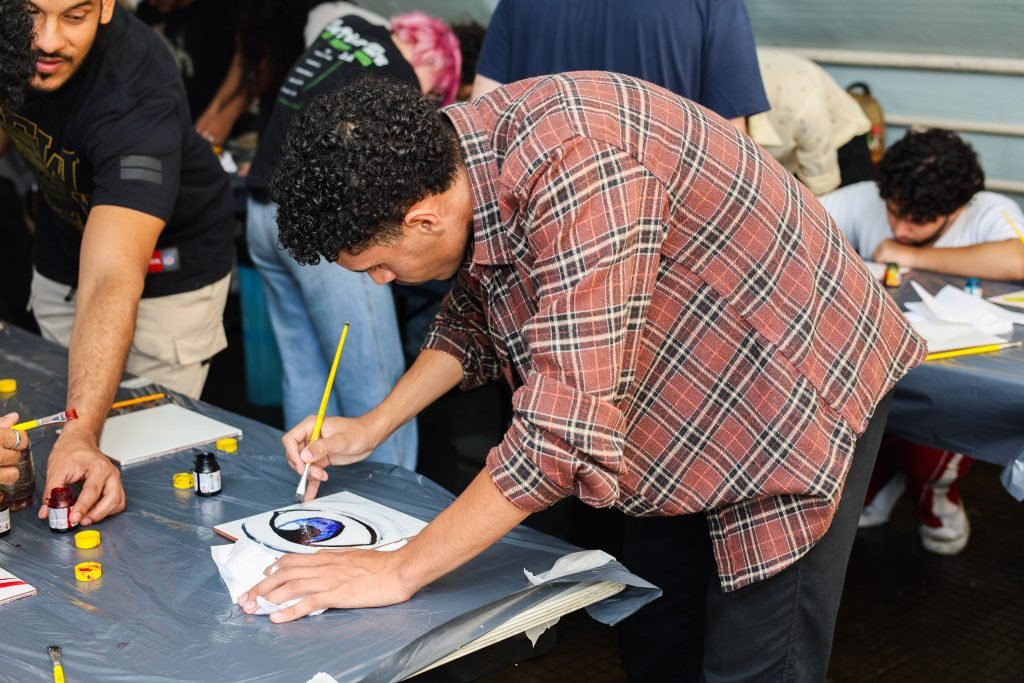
x,y
877,512
951,537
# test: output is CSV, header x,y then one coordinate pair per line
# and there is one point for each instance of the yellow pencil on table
x,y
1013,225
971,351
135,401
300,491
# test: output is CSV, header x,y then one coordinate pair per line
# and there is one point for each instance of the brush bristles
x,y
54,651
72,415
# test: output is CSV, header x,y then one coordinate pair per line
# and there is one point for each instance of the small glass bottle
x,y
207,475
892,275
60,503
5,517
19,494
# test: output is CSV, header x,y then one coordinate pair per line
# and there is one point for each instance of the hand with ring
x,y
12,442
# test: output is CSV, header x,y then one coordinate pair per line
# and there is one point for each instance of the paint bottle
x,y
207,475
19,494
60,504
973,287
892,275
5,517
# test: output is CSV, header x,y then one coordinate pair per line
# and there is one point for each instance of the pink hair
x,y
435,44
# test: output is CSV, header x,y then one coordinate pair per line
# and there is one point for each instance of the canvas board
x,y
146,434
340,520
12,588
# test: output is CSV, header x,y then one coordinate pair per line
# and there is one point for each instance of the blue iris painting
x,y
309,530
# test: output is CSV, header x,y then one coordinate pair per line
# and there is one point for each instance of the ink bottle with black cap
x,y
206,481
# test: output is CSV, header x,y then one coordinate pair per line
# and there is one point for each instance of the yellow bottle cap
x,y
228,445
183,480
87,539
88,571
8,386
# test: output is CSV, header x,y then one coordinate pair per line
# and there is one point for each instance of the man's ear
x,y
107,11
423,217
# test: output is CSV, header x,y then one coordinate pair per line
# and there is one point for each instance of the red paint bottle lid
x,y
60,497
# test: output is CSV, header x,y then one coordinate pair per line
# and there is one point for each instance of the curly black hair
x,y
352,164
929,174
17,57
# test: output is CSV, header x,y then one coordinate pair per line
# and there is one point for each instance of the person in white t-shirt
x,y
928,211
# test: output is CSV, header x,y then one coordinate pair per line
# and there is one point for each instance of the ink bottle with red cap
x,y
60,503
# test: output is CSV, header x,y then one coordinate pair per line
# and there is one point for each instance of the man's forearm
x,y
991,260
477,519
100,339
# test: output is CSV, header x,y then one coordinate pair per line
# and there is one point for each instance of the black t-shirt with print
x,y
118,134
346,48
201,37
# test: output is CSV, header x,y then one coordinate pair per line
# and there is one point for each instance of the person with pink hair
x,y
309,304
432,49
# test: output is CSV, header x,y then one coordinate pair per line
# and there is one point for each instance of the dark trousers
x,y
855,161
778,629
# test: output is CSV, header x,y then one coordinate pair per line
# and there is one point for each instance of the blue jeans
x,y
308,306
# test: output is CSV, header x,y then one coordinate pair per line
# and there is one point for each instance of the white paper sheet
x,y
340,520
953,305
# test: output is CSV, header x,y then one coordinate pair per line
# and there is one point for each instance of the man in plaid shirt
x,y
685,329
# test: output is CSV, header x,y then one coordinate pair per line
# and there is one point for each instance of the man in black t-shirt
x,y
133,245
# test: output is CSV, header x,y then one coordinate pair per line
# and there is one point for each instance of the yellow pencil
x,y
300,491
1013,225
971,351
135,401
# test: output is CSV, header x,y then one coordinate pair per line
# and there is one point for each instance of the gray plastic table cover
x,y
160,612
970,404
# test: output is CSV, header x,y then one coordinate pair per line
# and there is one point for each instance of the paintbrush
x,y
58,670
62,416
300,490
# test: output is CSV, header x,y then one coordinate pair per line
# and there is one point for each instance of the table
x,y
160,612
970,404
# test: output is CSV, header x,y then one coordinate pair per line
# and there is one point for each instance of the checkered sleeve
x,y
594,263
459,330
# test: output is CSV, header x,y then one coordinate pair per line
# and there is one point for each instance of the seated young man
x,y
928,210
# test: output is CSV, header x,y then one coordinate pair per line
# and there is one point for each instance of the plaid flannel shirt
x,y
684,327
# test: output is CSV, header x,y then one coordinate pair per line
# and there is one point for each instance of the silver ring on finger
x,y
17,439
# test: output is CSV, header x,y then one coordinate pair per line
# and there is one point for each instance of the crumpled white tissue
x,y
572,563
241,565
569,564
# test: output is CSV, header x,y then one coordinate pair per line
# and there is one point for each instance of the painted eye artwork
x,y
309,530
340,520
321,529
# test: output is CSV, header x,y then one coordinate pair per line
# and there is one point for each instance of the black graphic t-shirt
x,y
346,48
201,37
118,133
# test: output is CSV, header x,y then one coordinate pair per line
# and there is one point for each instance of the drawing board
x,y
145,434
341,520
